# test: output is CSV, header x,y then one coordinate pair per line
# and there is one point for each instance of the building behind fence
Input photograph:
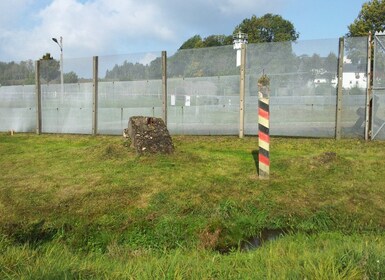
x,y
319,88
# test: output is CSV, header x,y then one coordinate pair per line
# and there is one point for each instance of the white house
x,y
352,77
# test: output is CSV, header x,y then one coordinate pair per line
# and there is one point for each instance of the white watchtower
x,y
238,40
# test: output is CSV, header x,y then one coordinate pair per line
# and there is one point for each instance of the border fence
x,y
321,88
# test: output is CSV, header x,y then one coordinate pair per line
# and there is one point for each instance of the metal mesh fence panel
x,y
17,73
70,110
204,105
131,85
378,107
354,84
203,91
302,83
17,108
17,103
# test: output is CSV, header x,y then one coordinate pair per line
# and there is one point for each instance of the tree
x,y
217,40
13,73
49,68
193,43
196,42
269,28
70,78
128,71
371,18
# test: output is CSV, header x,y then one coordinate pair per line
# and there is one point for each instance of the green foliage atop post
x,y
47,56
264,86
264,80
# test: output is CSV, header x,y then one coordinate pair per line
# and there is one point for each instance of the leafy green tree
x,y
13,73
265,29
128,71
212,62
50,68
70,78
217,41
268,28
371,18
193,43
197,42
155,68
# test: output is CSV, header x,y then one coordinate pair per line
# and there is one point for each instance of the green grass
x,y
81,207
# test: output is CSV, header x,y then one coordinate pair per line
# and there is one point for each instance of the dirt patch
x,y
209,239
326,157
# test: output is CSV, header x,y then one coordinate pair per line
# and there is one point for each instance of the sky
x,y
110,27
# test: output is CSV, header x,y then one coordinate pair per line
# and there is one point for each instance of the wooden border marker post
x,y
264,128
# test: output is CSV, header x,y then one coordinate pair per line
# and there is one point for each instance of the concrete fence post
x,y
164,86
95,96
38,98
339,87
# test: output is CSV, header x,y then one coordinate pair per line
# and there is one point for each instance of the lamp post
x,y
60,44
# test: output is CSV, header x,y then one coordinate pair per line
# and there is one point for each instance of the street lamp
x,y
60,44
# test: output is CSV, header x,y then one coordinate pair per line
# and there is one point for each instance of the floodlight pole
x,y
60,44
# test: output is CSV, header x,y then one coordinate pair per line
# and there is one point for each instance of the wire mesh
x,y
302,86
131,85
17,108
354,84
67,109
203,90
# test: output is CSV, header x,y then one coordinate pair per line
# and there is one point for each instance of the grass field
x,y
82,207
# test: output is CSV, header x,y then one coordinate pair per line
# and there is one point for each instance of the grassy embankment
x,y
88,207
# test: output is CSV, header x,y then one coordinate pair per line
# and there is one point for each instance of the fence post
x,y
95,96
242,92
164,86
339,88
368,115
38,97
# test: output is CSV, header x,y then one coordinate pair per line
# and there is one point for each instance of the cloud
x,y
259,7
11,12
100,27
101,24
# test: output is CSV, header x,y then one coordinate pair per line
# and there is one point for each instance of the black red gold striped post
x,y
263,137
